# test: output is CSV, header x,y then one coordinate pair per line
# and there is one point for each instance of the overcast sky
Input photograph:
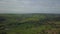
x,y
29,6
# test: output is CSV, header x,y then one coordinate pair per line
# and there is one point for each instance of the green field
x,y
29,23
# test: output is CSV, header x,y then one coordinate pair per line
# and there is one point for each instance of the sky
x,y
29,6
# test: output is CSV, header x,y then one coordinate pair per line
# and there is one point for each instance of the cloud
x,y
29,6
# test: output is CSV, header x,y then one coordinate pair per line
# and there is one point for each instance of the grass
x,y
27,23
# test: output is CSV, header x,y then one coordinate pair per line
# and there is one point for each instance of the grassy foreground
x,y
29,23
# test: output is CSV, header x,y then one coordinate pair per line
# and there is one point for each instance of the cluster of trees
x,y
2,26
